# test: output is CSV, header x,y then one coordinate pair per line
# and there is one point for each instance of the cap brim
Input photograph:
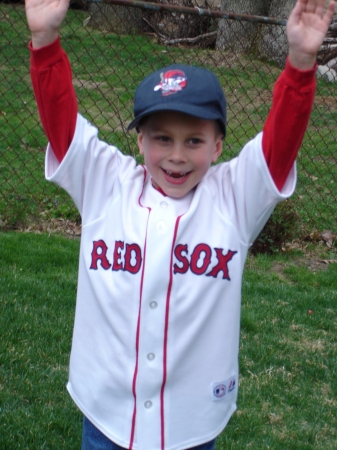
x,y
177,107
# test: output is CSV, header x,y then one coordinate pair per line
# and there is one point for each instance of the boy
x,y
154,361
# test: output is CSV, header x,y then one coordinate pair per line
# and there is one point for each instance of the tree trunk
x,y
273,44
236,35
114,18
270,41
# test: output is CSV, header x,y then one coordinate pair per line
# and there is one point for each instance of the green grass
x,y
106,70
288,357
37,294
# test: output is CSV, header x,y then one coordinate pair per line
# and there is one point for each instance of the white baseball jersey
x,y
154,360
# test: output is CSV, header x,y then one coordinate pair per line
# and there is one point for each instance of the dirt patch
x,y
317,258
61,226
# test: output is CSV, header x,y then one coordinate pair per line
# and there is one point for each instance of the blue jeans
x,y
93,439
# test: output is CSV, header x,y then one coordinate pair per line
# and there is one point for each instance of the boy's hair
x,y
186,89
218,129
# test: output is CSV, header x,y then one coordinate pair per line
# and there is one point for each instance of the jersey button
x,y
148,404
151,356
164,205
153,305
161,225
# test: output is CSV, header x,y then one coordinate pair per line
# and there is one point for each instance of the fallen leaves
x,y
63,226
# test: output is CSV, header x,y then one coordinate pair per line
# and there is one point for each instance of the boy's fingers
x,y
311,5
314,6
320,8
331,8
296,12
328,15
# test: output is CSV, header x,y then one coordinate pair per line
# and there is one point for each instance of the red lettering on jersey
x,y
99,256
132,253
118,263
178,253
222,265
196,255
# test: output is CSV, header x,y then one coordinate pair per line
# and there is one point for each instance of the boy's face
x,y
178,150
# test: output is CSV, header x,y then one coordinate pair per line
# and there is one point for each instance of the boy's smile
x,y
178,150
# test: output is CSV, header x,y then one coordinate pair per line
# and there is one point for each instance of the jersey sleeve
x,y
287,121
55,96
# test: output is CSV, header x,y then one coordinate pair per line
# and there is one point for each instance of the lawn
x,y
288,357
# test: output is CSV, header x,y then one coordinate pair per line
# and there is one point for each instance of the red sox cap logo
x,y
172,82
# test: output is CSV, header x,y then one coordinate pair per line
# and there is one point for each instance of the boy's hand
x,y
44,19
306,29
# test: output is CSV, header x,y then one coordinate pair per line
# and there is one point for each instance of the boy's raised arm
x,y
307,27
294,91
51,73
44,19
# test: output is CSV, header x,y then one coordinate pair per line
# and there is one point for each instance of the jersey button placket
x,y
163,204
161,225
151,356
151,345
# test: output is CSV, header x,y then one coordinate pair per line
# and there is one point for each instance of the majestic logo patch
x,y
223,389
231,385
219,391
172,82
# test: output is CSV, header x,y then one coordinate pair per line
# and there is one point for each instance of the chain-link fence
x,y
111,48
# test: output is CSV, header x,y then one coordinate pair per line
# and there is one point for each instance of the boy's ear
x,y
140,142
218,149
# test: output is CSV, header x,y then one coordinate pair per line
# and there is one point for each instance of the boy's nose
x,y
177,154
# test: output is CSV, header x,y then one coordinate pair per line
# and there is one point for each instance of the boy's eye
x,y
194,141
163,138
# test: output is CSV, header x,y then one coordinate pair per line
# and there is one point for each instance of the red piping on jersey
x,y
134,381
144,181
159,189
168,297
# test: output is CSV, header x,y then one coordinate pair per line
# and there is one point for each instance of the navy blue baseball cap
x,y
187,89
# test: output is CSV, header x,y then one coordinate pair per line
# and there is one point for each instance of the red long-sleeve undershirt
x,y
282,133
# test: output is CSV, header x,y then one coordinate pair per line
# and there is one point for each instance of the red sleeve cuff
x,y
44,57
301,80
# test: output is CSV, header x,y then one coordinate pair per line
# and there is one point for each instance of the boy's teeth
x,y
175,174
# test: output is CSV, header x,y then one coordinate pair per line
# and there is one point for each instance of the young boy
x,y
154,361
